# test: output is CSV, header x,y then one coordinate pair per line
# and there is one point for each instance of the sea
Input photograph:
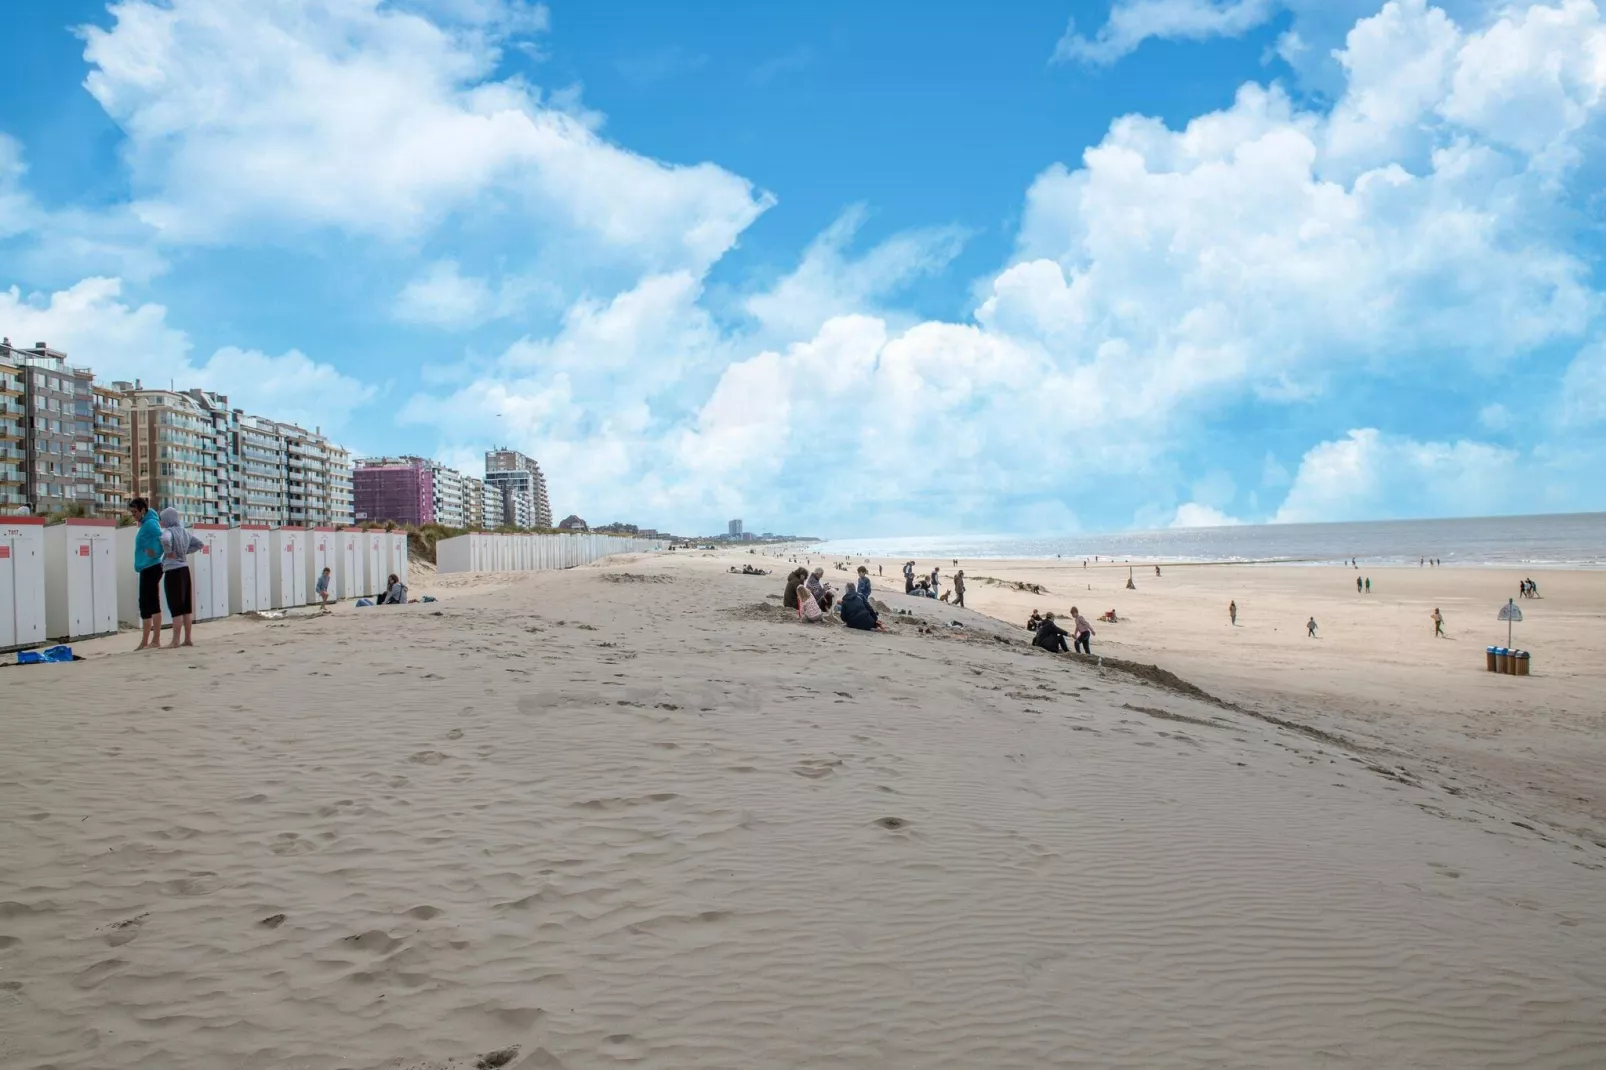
x,y
1576,540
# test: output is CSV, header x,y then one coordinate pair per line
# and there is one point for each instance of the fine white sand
x,y
631,814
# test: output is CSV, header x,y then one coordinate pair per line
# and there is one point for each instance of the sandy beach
x,y
634,814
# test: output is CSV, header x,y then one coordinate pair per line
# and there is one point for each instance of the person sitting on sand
x,y
1050,636
820,589
1033,621
858,613
1109,617
395,592
1310,627
808,608
793,578
863,585
1438,623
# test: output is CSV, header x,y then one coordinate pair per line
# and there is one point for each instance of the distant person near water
x,y
1357,585
1438,623
1232,612
1157,571
1310,627
1368,585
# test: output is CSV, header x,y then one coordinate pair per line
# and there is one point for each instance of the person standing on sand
x,y
1368,585
1438,623
936,588
1082,632
176,577
1357,585
1232,612
959,589
908,577
148,563
322,589
1310,627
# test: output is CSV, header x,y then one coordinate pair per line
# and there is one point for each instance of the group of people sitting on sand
x,y
1529,589
1051,637
813,598
749,570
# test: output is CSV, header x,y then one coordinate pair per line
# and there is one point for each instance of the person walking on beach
x,y
322,589
176,577
1310,628
959,588
1357,585
148,563
1368,585
1438,623
1232,612
908,577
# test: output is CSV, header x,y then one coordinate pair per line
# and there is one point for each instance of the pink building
x,y
394,488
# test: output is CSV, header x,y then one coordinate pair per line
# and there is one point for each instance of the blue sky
x,y
853,269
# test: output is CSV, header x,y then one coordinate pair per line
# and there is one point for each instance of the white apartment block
x,y
449,505
491,513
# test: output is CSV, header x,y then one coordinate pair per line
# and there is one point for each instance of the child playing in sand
x,y
1438,623
322,590
808,608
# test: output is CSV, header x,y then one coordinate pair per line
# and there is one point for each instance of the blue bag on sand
x,y
49,655
427,598
364,602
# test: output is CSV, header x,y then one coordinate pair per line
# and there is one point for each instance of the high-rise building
x,y
448,486
473,503
492,514
735,529
57,423
524,491
394,488
113,451
13,435
222,466
173,452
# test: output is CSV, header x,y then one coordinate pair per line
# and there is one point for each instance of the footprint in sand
x,y
456,733
425,913
97,973
429,757
815,768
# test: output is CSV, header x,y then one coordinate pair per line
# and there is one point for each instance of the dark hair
x,y
141,504
394,578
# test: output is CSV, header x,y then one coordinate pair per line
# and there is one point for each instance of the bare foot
x,y
186,643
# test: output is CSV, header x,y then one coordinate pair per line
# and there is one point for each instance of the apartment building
x,y
341,496
525,502
173,453
401,489
448,490
473,503
113,451
13,436
492,514
54,405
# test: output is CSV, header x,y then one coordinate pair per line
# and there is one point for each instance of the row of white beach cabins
x,y
76,579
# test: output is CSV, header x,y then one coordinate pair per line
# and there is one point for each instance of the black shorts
x,y
150,592
176,584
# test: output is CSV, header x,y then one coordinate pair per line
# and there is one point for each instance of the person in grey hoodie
x,y
176,577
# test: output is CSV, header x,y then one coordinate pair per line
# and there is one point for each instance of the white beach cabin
x,y
288,575
81,579
250,569
209,572
348,564
398,554
22,581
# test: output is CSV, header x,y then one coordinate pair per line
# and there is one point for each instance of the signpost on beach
x,y
1509,613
